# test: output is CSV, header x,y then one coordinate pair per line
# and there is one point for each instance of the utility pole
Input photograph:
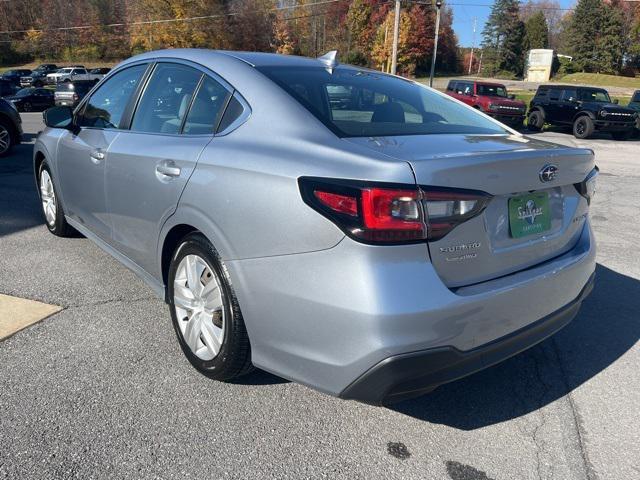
x,y
473,45
480,63
396,34
438,4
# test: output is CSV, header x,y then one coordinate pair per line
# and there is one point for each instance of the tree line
x,y
110,30
601,36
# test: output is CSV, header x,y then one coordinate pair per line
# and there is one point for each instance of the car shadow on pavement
x,y
19,203
606,327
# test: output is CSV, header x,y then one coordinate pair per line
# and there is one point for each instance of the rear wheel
x,y
535,121
51,207
205,312
583,127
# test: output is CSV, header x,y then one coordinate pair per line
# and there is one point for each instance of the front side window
x,y
107,105
593,95
569,94
492,91
361,103
206,108
166,99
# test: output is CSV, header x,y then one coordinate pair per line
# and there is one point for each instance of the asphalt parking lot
x,y
101,389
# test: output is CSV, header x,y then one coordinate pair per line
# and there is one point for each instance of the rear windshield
x,y
362,103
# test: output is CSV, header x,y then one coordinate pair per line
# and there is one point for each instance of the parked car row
x,y
584,109
49,73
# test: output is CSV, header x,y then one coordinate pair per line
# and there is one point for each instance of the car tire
x,y
51,207
7,138
535,121
622,136
583,127
205,312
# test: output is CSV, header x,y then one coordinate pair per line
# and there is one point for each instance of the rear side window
x,y
636,97
206,108
107,105
361,103
451,87
554,94
569,94
542,93
166,99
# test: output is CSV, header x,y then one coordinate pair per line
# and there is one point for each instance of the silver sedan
x,y
350,230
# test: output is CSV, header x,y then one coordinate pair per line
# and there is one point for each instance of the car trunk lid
x,y
526,220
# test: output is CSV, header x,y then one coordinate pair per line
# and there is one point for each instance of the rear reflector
x,y
389,213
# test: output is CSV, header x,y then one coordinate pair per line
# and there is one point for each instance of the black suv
x,y
38,77
10,127
586,109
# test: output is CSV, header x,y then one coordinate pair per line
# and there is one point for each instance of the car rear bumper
x,y
326,318
412,374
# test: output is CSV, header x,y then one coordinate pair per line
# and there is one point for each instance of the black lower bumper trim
x,y
412,374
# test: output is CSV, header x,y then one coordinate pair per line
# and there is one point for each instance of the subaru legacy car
x,y
346,229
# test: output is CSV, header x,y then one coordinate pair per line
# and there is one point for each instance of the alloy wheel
x,y
580,127
199,305
5,139
48,198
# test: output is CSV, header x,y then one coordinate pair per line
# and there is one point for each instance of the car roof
x,y
255,59
554,87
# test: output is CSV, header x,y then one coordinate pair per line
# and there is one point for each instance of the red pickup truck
x,y
491,98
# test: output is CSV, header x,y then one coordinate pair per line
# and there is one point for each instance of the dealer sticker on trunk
x,y
529,214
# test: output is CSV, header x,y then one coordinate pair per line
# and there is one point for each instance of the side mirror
x,y
615,100
59,117
512,96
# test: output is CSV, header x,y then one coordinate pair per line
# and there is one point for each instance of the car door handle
x,y
168,169
97,156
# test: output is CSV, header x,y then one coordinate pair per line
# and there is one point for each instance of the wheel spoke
x,y
192,331
212,336
183,296
211,295
193,279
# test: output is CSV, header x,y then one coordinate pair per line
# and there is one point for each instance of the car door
x,y
568,105
149,165
82,155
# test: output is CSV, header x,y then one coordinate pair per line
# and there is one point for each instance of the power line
x,y
169,20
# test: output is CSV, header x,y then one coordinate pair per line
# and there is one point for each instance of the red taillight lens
x,y
338,203
392,215
389,214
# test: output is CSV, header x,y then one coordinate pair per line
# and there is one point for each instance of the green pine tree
x,y
502,39
536,32
584,32
610,44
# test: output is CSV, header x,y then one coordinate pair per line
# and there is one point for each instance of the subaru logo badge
x,y
548,173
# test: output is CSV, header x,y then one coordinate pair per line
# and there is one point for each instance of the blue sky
x,y
465,10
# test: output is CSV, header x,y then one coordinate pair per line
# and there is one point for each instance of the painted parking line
x,y
19,313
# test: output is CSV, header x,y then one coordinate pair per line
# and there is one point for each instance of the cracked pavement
x,y
101,389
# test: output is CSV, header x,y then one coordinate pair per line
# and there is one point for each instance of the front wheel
x,y
583,127
205,312
6,140
51,207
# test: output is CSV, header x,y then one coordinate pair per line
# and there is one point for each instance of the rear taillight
x,y
587,188
448,208
389,213
75,97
